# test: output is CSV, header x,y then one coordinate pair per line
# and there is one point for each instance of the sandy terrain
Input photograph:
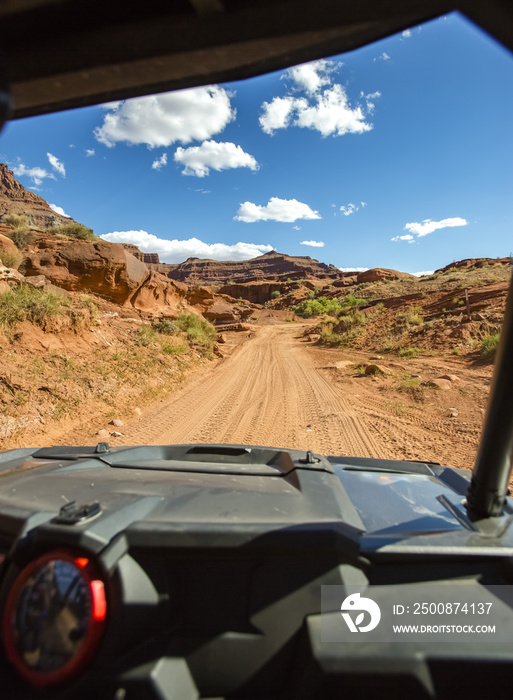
x,y
279,389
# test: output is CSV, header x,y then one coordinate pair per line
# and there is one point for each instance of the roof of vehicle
x,y
59,54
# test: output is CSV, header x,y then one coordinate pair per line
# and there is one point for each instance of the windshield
x,y
315,259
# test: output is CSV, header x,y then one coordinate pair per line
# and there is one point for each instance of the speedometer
x,y
54,617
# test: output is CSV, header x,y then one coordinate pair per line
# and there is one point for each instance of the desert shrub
x,y
15,220
198,331
89,303
275,294
413,316
165,327
352,319
146,336
174,348
10,258
28,303
21,236
408,352
489,345
74,230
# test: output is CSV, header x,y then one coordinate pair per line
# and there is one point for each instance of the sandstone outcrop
x,y
80,266
7,244
378,274
474,262
161,297
8,278
16,199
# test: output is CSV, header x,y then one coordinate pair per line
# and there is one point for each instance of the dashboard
x,y
196,571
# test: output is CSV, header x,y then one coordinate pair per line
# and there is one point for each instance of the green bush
x,y
350,300
174,348
323,305
74,230
275,294
489,345
198,331
31,304
408,352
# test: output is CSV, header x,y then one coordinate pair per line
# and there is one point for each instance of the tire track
x,y
267,392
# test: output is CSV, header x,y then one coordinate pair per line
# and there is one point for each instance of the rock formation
x,y
271,266
378,274
475,262
16,199
100,267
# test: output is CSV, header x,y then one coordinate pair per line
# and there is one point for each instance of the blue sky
x,y
394,155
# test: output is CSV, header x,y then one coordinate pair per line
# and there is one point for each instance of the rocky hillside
x,y
15,199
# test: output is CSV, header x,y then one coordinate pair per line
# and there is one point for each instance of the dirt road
x,y
267,392
279,389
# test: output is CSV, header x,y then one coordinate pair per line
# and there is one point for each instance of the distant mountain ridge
x,y
271,266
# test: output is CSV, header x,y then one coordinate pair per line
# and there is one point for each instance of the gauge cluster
x,y
54,618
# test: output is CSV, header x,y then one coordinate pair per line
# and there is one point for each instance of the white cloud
x,y
312,76
220,156
89,152
160,120
383,57
332,114
363,204
406,237
36,174
428,226
159,163
56,164
314,244
421,274
406,34
369,100
277,114
353,269
325,108
177,251
59,210
286,210
297,228
349,209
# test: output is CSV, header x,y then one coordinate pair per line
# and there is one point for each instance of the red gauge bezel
x,y
96,627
